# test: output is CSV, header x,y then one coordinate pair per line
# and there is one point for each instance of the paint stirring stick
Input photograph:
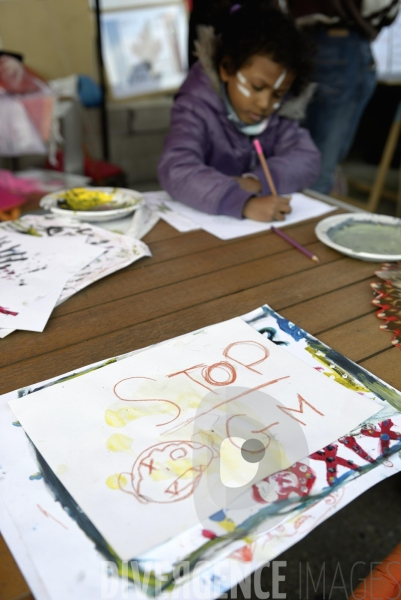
x,y
265,168
296,245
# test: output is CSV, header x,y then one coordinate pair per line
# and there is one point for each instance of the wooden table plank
x,y
386,365
99,320
12,584
357,339
197,241
154,276
329,310
57,358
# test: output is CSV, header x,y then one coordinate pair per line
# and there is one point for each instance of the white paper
x,y
35,317
45,293
46,242
14,297
37,268
156,201
77,426
21,554
228,228
22,255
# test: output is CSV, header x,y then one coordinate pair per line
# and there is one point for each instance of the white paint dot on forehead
x,y
241,78
280,79
243,90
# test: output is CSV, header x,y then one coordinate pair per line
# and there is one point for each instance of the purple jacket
x,y
204,151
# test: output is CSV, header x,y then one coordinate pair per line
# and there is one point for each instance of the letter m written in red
x,y
299,410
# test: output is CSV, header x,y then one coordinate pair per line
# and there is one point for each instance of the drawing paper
x,y
43,292
137,443
228,228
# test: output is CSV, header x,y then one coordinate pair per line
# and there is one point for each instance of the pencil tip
x,y
315,258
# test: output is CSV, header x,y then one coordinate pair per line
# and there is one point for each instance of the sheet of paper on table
x,y
34,271
185,218
34,315
47,245
145,432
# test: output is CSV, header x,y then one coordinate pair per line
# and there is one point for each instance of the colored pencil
x,y
296,245
265,168
270,181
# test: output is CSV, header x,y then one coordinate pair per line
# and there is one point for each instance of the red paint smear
x,y
244,554
208,534
44,512
5,311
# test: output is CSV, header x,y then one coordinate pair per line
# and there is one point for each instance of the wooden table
x,y
194,280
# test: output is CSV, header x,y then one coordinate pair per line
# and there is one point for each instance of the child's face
x,y
256,89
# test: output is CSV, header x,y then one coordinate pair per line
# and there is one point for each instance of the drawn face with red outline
x,y
294,482
170,471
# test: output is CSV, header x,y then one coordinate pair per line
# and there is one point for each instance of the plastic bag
x,y
26,110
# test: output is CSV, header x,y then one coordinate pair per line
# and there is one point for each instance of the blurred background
x,y
109,74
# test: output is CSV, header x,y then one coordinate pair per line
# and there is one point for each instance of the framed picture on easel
x,y
144,48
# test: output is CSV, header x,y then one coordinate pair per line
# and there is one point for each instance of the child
x,y
230,97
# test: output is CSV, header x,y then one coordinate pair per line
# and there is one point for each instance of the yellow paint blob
x,y
116,482
173,469
227,525
61,469
119,418
113,419
119,443
189,400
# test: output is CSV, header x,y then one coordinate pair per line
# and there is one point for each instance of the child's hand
x,y
249,184
267,208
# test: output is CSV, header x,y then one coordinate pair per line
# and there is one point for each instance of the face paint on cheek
x,y
280,79
241,85
243,90
241,78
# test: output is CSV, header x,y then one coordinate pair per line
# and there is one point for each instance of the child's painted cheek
x,y
241,85
279,81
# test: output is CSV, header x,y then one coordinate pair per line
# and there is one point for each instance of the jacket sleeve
x,y
295,162
185,176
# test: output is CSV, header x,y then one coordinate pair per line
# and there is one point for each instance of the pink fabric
x,y
14,185
9,200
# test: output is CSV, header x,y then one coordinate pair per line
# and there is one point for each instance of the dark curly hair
x,y
257,28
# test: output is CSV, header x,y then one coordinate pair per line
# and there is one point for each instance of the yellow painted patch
x,y
119,418
116,482
113,419
189,400
227,525
119,443
61,469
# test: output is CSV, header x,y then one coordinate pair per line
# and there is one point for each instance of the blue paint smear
x,y
219,516
36,476
17,424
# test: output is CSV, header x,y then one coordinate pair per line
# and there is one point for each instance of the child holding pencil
x,y
242,89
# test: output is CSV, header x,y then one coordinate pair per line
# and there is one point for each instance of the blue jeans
x,y
346,78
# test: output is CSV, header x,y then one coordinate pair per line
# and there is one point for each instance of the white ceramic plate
x,y
365,236
130,199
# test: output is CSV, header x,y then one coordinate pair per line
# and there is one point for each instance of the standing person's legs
x,y
345,76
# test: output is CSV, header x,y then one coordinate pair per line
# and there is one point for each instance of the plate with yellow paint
x,y
366,236
93,204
